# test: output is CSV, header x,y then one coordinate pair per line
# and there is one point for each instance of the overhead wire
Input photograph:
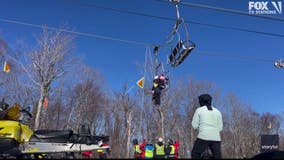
x,y
74,32
233,11
226,10
174,19
235,56
120,40
203,24
130,41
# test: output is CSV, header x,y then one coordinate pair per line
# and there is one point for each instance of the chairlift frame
x,y
159,65
279,64
183,47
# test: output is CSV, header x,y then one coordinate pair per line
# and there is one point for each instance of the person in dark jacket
x,y
170,149
160,83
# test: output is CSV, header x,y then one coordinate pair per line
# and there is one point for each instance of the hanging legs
x,y
156,97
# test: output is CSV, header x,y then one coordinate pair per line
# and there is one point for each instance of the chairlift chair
x,y
184,46
180,52
279,64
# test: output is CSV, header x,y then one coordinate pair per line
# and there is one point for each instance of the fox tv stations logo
x,y
265,7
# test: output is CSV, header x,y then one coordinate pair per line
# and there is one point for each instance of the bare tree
x,y
270,123
50,60
87,100
186,96
241,129
15,87
124,110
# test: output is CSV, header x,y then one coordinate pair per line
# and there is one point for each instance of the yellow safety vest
x,y
172,151
137,149
149,153
99,150
160,150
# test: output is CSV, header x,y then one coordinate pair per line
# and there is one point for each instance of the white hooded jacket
x,y
208,122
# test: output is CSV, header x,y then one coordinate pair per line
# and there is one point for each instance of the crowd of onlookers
x,y
159,150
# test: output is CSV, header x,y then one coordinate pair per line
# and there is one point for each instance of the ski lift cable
x,y
234,56
226,10
173,19
114,39
134,42
75,32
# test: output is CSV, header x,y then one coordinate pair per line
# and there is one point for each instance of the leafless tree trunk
x,y
46,63
161,131
49,61
129,133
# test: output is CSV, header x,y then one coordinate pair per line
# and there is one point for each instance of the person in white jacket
x,y
207,120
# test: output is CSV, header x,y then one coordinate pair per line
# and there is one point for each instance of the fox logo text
x,y
265,7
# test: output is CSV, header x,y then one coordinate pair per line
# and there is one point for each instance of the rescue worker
x,y
176,145
159,83
139,150
156,91
159,151
170,150
142,148
149,150
163,81
102,152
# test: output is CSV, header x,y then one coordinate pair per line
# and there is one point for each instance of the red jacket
x,y
176,145
142,148
87,154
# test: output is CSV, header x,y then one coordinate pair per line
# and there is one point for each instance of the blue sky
x,y
255,82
